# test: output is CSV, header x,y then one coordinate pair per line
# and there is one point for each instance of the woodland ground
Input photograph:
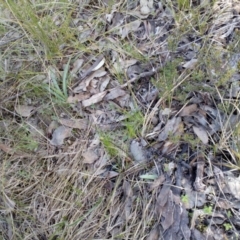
x,y
119,119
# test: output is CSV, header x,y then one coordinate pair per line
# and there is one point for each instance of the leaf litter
x,y
160,184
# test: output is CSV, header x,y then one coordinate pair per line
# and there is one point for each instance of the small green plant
x,y
208,210
55,88
227,226
44,30
133,123
229,214
191,139
183,4
109,145
185,198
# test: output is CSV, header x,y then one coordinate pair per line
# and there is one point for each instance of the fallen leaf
x,y
52,126
137,151
99,65
154,234
11,151
188,110
24,110
59,135
76,65
132,26
115,93
9,204
74,123
146,6
111,174
159,181
171,127
90,156
190,64
233,184
87,81
149,176
6,149
78,97
201,133
98,97
104,84
96,65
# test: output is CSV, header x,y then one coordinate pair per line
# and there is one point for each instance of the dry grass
x,y
49,192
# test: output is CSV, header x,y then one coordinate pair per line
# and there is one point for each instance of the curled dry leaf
x,y
98,64
59,135
24,110
94,99
74,123
201,133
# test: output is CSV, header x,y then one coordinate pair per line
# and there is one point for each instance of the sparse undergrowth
x,y
119,120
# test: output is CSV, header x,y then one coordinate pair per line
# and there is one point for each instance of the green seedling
x,y
185,198
59,93
227,226
208,210
183,4
133,123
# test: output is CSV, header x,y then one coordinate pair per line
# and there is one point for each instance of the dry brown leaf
x,y
201,133
24,110
94,99
188,110
74,123
132,26
6,149
84,85
11,151
172,127
78,97
59,135
159,181
115,93
90,156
